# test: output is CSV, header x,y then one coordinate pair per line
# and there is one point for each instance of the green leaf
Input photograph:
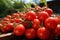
x,y
28,5
45,2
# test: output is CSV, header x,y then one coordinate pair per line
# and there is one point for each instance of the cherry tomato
x,y
30,33
43,15
36,21
36,26
7,28
15,15
10,26
12,20
9,16
30,15
1,25
23,16
3,29
57,30
5,19
19,30
49,11
51,22
43,33
18,20
4,22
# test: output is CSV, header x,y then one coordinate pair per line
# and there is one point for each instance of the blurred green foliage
x,y
7,7
11,6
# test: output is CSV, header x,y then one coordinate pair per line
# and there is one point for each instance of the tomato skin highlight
x,y
18,20
51,22
9,16
36,21
57,30
36,24
43,15
49,11
30,33
19,30
30,15
5,19
1,25
43,33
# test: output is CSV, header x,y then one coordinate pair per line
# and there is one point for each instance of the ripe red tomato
x,y
18,20
10,26
36,26
51,22
23,16
3,29
19,30
4,22
49,11
5,19
7,28
43,33
30,15
30,33
36,21
12,20
15,15
9,16
57,30
43,15
1,25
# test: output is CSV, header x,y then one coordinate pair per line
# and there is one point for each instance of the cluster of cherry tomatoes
x,y
43,25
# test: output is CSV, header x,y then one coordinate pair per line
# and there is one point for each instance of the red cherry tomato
x,y
43,15
7,28
4,22
19,30
57,30
10,26
51,22
9,16
43,33
15,15
12,20
36,26
36,21
1,25
49,11
18,20
30,33
5,19
3,29
30,15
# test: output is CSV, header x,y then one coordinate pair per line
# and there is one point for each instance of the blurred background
x,y
11,6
